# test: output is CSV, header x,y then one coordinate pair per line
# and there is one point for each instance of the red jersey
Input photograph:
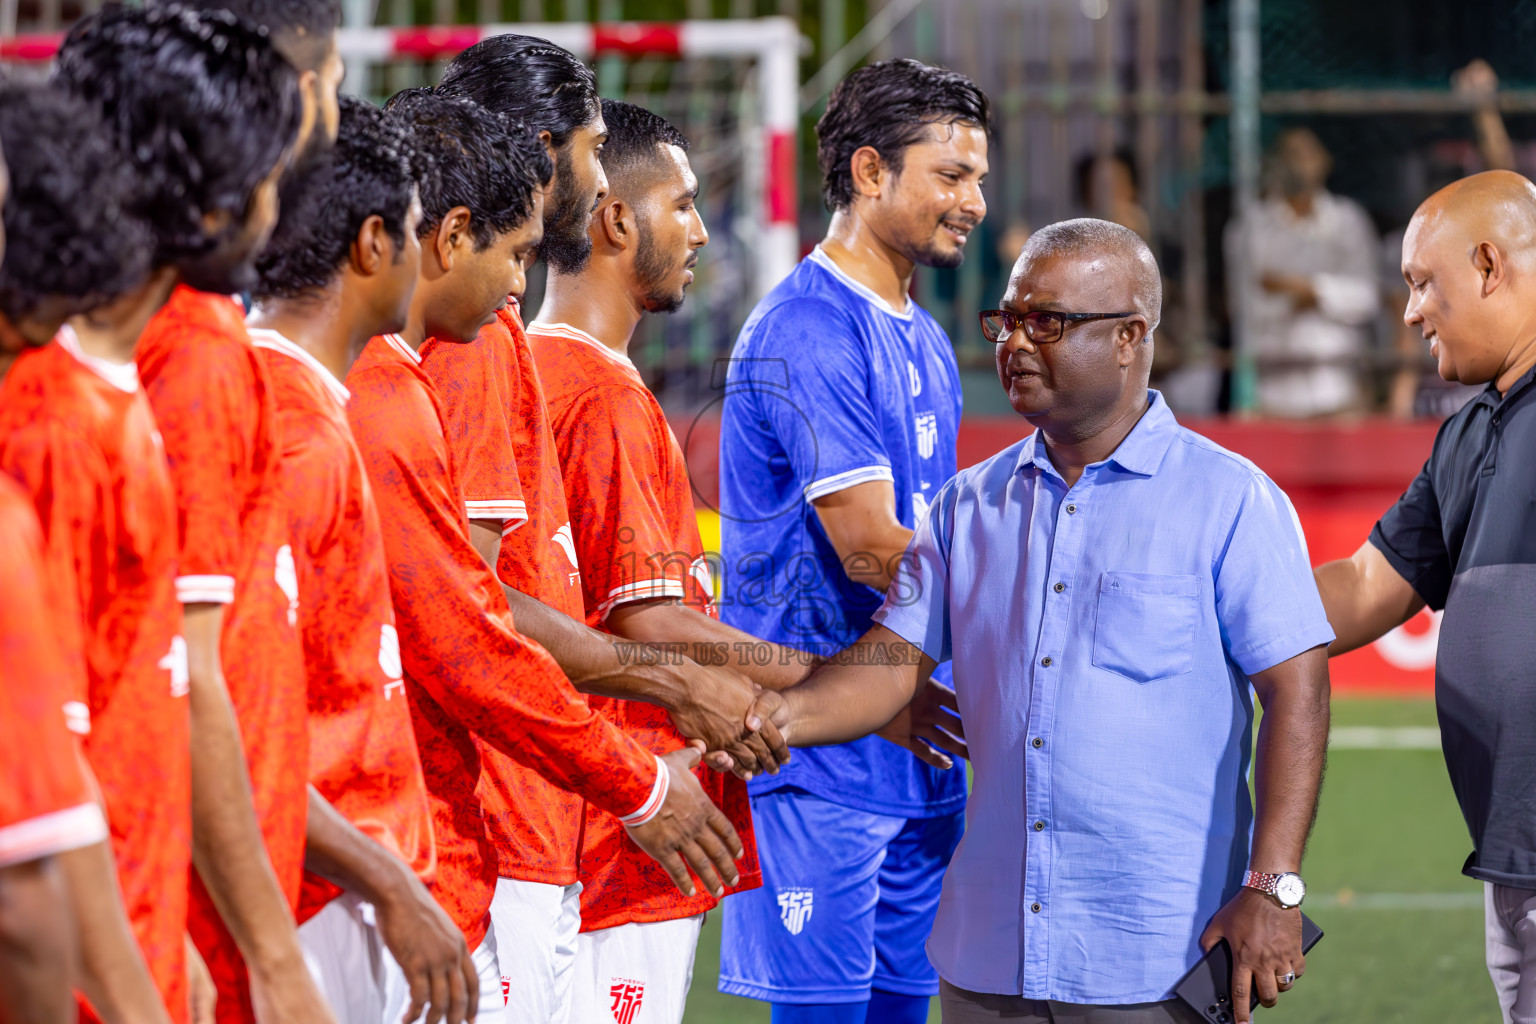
x,y
45,807
633,526
79,436
362,752
499,438
214,404
468,672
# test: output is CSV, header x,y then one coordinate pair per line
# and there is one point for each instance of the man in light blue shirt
x,y
1109,589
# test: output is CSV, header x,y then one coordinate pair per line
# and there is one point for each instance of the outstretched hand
x,y
930,727
690,831
712,718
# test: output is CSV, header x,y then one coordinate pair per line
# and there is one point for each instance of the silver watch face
x,y
1290,890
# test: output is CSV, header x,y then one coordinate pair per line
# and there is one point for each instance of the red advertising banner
x,y
1340,476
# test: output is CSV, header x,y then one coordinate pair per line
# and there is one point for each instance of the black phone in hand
x,y
1207,988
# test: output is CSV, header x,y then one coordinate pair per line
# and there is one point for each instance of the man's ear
x,y
1128,341
547,140
451,238
1491,266
869,172
372,249
618,224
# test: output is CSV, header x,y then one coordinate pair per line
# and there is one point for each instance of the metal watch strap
x,y
1265,883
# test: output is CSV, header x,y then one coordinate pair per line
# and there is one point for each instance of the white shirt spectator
x,y
1309,359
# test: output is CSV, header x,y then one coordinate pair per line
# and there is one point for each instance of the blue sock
x,y
891,1008
820,1013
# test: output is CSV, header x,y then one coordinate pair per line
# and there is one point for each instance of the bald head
x,y
1118,249
1495,206
1469,257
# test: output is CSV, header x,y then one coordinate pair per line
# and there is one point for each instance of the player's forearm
x,y
673,626
228,850
339,852
856,693
113,974
1289,759
596,663
37,945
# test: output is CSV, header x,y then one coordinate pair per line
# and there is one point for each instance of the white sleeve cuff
x,y
52,833
842,481
205,589
652,805
511,511
644,590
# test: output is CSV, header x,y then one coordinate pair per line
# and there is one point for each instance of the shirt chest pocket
x,y
1145,624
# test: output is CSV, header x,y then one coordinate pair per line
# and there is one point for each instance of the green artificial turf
x,y
1404,928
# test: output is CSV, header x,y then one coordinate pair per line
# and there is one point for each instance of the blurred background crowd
x,y
1287,305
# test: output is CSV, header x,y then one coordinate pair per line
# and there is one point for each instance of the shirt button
x,y
1034,908
1038,742
1045,662
1039,826
1071,510
1059,587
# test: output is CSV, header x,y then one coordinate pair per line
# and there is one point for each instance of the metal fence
x,y
1188,90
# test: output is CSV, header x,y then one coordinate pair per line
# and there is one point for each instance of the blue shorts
x,y
847,903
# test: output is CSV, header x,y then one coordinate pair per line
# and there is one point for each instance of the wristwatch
x,y
1287,889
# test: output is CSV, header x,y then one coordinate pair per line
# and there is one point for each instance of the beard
x,y
654,269
567,246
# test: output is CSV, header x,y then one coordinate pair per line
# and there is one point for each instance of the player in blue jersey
x,y
841,411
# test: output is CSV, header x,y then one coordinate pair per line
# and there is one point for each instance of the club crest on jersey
x,y
175,662
287,576
567,543
919,509
699,570
927,426
389,659
795,909
626,994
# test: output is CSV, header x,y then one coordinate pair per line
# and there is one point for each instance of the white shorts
x,y
536,927
635,973
360,978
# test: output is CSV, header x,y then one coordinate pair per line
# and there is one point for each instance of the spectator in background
x,y
1307,279
1107,188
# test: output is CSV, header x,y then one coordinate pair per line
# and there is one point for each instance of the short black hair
x,y
468,155
302,29
889,105
368,173
635,137
543,85
200,104
67,230
1087,237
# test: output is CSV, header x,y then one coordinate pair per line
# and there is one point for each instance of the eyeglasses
x,y
1042,326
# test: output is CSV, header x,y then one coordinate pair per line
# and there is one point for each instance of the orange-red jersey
x,y
499,437
362,751
78,434
45,807
214,404
636,538
468,672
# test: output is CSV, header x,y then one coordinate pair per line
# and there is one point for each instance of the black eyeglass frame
x,y
1013,321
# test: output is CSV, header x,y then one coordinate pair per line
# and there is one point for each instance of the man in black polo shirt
x,y
1463,539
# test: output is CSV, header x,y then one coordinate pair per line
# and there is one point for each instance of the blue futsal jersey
x,y
829,387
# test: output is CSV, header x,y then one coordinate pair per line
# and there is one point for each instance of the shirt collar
x,y
263,337
1141,452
